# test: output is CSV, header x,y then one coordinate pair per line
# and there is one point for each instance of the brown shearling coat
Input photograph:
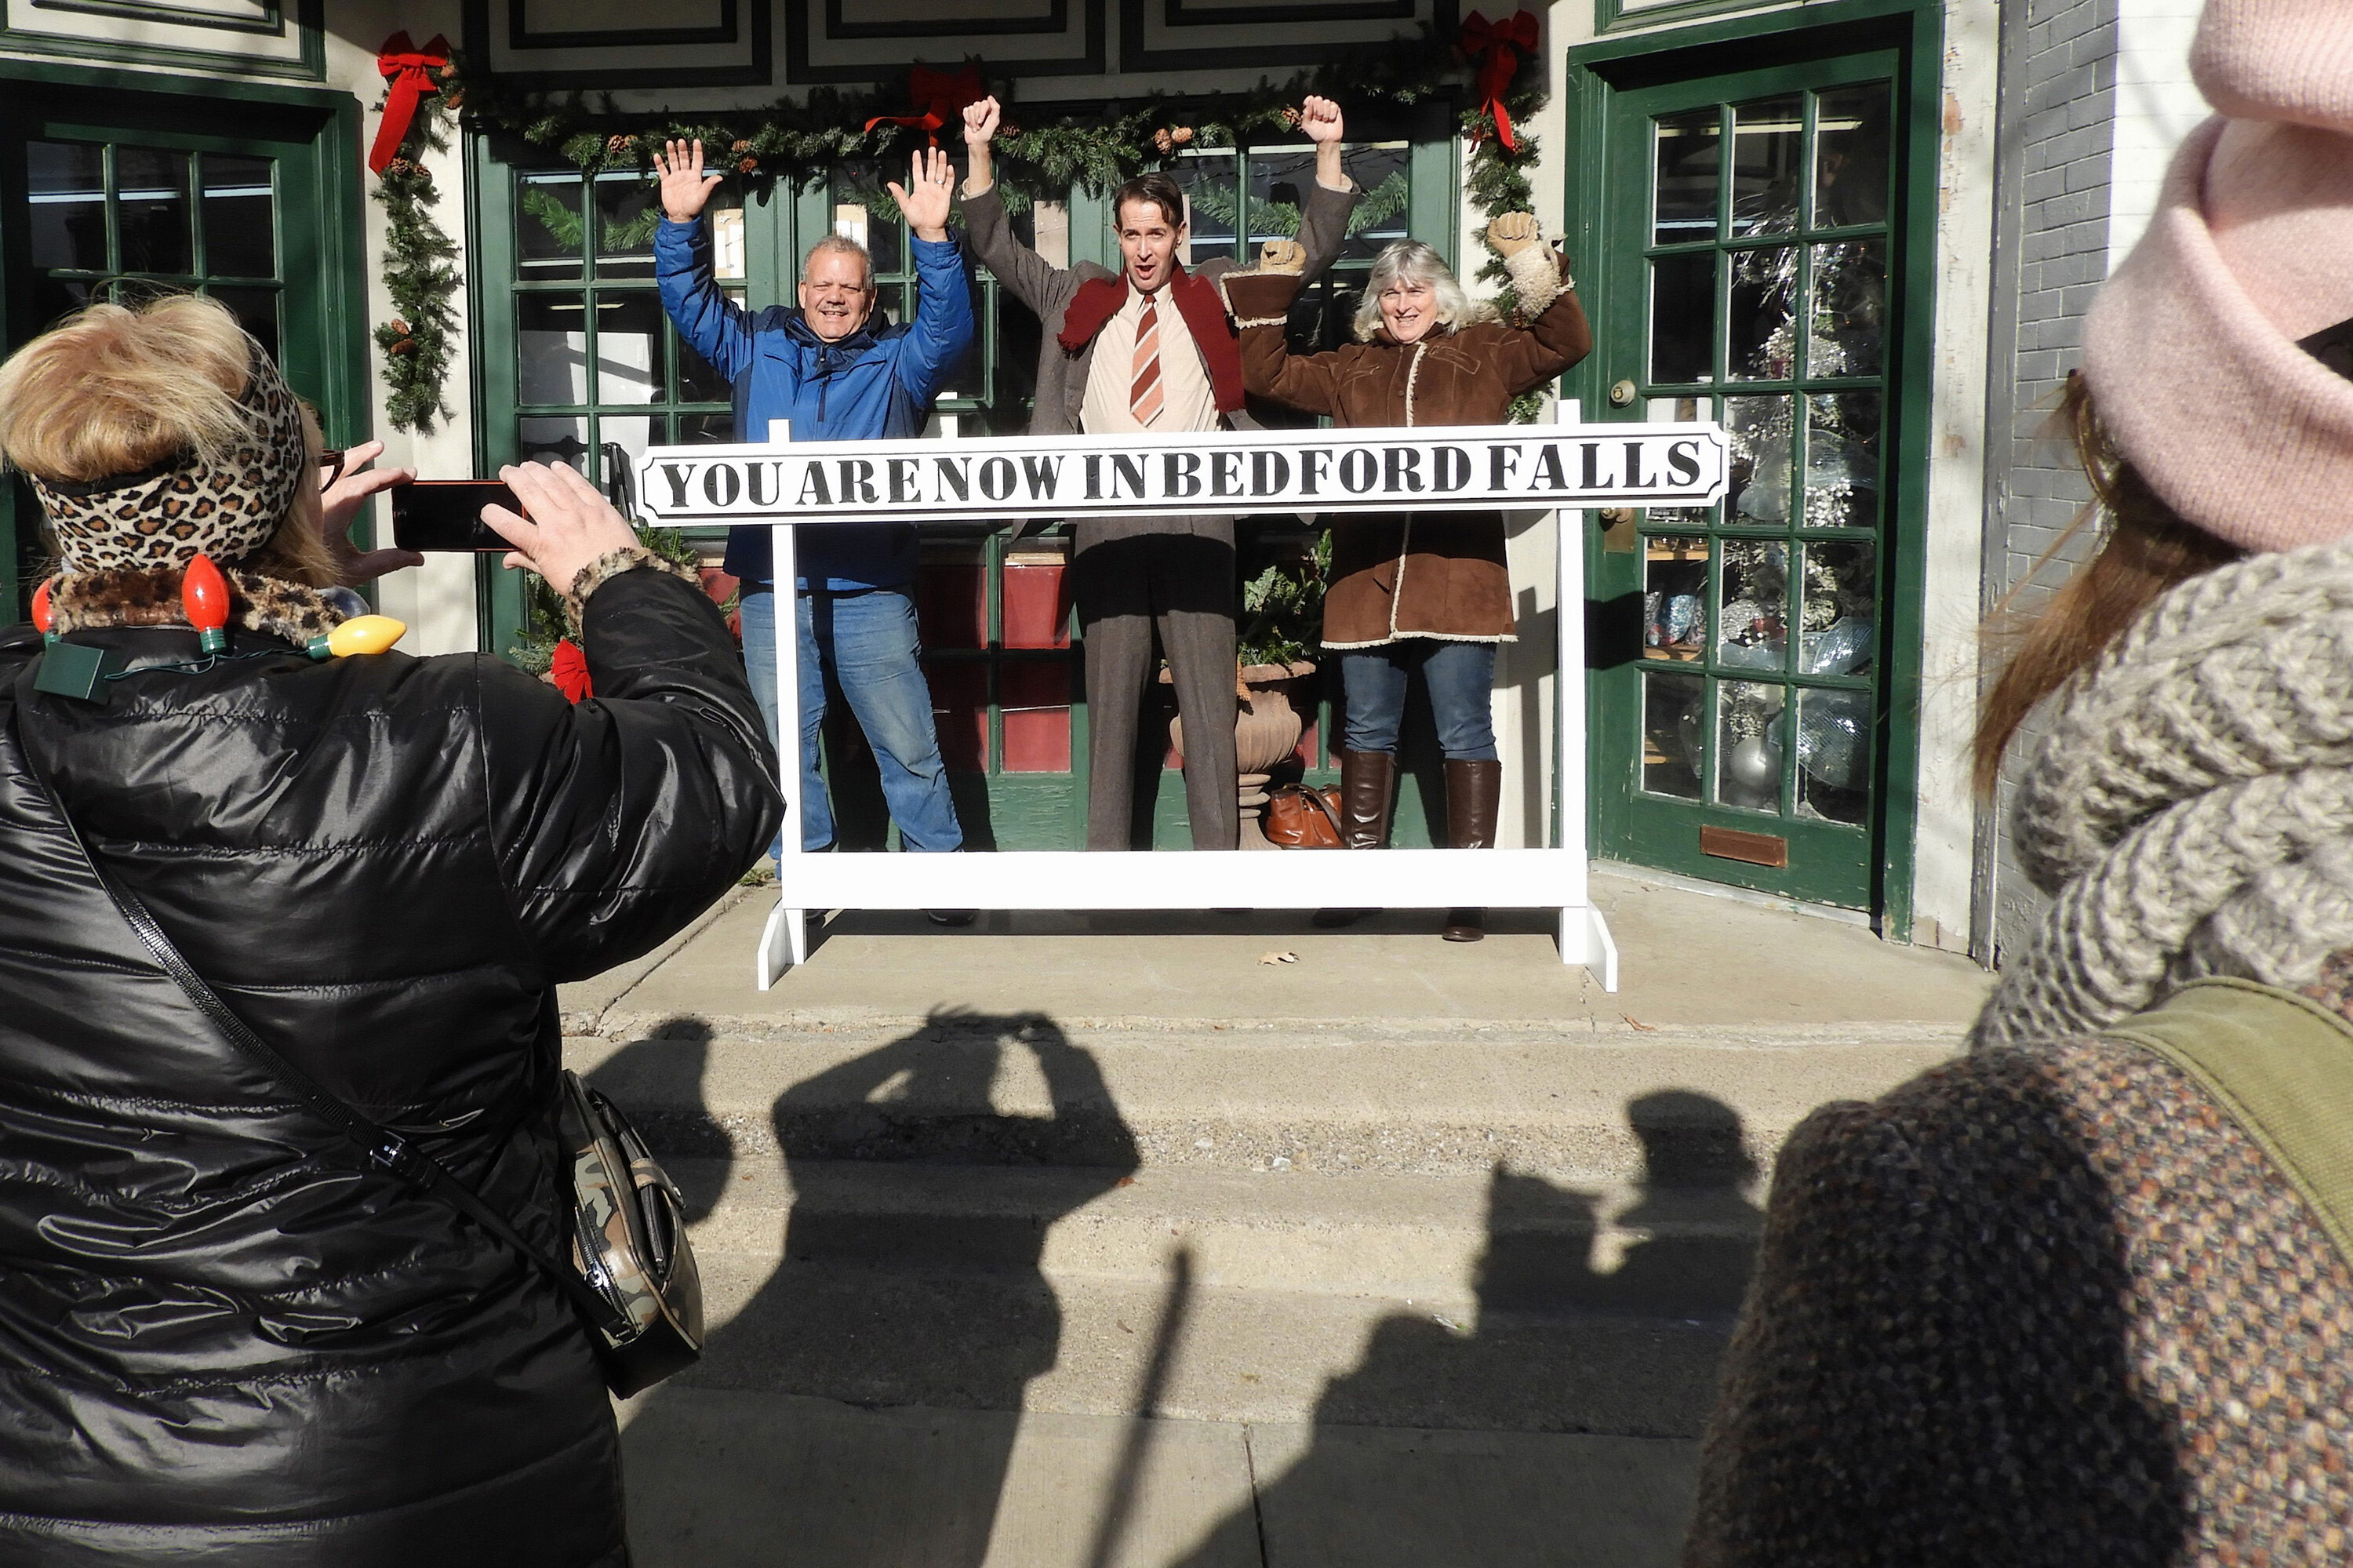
x,y
1415,574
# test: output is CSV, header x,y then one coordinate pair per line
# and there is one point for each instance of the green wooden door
x,y
1754,230
116,194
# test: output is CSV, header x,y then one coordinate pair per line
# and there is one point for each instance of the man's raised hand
x,y
923,201
684,187
1320,119
980,122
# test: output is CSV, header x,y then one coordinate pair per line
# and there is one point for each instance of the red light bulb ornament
x,y
204,594
45,619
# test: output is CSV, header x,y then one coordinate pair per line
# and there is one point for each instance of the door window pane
x,y
1381,172
1675,597
1752,626
960,707
1035,699
240,226
257,312
622,436
1036,597
1848,306
552,343
1673,738
548,227
1760,344
69,205
1758,431
1851,161
952,596
698,380
1748,745
1836,608
1682,318
627,212
629,329
1834,755
555,440
1768,155
726,237
706,428
1689,165
1843,460
1212,187
151,215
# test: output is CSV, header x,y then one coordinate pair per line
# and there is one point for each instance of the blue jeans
x,y
1458,676
867,641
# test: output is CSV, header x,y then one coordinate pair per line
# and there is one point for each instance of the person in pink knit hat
x,y
2082,1295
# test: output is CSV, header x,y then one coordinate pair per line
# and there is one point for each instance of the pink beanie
x,y
2191,346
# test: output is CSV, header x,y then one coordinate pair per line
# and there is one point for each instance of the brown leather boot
x,y
1474,792
1367,792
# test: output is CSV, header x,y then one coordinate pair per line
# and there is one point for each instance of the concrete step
x,y
1681,1108
1445,1241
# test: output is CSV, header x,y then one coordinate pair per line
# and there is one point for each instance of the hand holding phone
x,y
564,523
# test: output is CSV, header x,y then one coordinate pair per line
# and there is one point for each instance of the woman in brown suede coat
x,y
1425,591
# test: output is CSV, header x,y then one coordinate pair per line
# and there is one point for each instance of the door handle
x,y
1621,395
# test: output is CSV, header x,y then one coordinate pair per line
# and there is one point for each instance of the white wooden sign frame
x,y
1554,878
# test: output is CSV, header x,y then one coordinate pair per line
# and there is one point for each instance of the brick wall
x,y
2055,151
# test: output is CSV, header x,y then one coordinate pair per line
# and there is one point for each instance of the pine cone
x,y
405,345
399,168
1182,135
1008,128
615,145
741,148
1290,119
400,328
454,100
1162,140
747,165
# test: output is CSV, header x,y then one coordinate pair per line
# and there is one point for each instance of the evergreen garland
x,y
815,140
417,274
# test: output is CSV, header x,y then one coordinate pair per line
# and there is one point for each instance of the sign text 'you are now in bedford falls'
x,y
1471,467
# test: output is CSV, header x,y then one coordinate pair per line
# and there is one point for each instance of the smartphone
x,y
446,513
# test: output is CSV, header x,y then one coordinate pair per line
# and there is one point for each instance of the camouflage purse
x,y
628,1245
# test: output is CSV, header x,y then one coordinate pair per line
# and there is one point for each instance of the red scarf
x,y
1099,299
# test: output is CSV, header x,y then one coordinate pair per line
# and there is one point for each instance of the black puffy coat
x,y
225,1339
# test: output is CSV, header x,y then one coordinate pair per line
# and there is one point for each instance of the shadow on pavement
x,y
887,1298
1404,1465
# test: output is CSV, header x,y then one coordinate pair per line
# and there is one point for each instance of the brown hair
x,y
1158,190
2150,549
116,388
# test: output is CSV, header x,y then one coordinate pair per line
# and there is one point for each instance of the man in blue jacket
x,y
837,377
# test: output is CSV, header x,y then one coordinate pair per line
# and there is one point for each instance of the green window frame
x,y
315,291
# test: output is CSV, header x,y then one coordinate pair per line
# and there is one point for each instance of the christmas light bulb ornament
x,y
361,635
204,594
45,619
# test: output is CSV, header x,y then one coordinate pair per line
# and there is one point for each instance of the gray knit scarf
x,y
2191,811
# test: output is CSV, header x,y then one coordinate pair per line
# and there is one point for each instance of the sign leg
x,y
1600,950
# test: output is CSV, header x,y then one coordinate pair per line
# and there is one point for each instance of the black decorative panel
x,y
1196,34
877,40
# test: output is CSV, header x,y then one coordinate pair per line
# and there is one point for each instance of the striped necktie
x,y
1144,394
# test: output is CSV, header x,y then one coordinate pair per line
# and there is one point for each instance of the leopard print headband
x,y
160,518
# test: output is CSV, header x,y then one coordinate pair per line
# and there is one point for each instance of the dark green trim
x,y
799,70
1613,16
520,36
1824,31
310,66
757,70
272,22
838,26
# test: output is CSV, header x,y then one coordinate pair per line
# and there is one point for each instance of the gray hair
x,y
842,242
1411,261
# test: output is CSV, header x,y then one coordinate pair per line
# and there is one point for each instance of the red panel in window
x,y
1037,702
960,707
1036,605
951,604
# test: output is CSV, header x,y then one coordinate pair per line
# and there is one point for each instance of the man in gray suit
x,y
1148,348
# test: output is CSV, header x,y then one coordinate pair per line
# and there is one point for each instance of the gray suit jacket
x,y
1048,289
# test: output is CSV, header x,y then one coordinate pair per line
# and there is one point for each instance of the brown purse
x,y
1298,817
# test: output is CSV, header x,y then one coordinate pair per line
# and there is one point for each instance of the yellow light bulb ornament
x,y
361,635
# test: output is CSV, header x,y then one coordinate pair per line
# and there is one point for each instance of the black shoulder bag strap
x,y
382,1147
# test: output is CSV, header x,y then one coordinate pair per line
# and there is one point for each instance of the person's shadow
x,y
1402,1467
910,1284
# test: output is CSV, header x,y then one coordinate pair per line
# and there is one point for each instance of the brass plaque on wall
x,y
1752,849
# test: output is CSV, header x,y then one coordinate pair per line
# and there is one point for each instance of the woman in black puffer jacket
x,y
224,1337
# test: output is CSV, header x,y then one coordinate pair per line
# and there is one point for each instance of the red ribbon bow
x,y
409,70
938,97
569,671
1497,48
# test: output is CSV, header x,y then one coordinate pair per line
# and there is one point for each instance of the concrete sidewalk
x,y
1400,1254
1686,959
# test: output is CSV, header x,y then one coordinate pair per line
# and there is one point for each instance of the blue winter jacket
x,y
876,383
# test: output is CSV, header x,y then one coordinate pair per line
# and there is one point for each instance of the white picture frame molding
x,y
1548,878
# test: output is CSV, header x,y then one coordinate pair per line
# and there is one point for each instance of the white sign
x,y
1481,467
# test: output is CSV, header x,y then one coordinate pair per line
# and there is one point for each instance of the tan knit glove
x,y
1513,232
1285,256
